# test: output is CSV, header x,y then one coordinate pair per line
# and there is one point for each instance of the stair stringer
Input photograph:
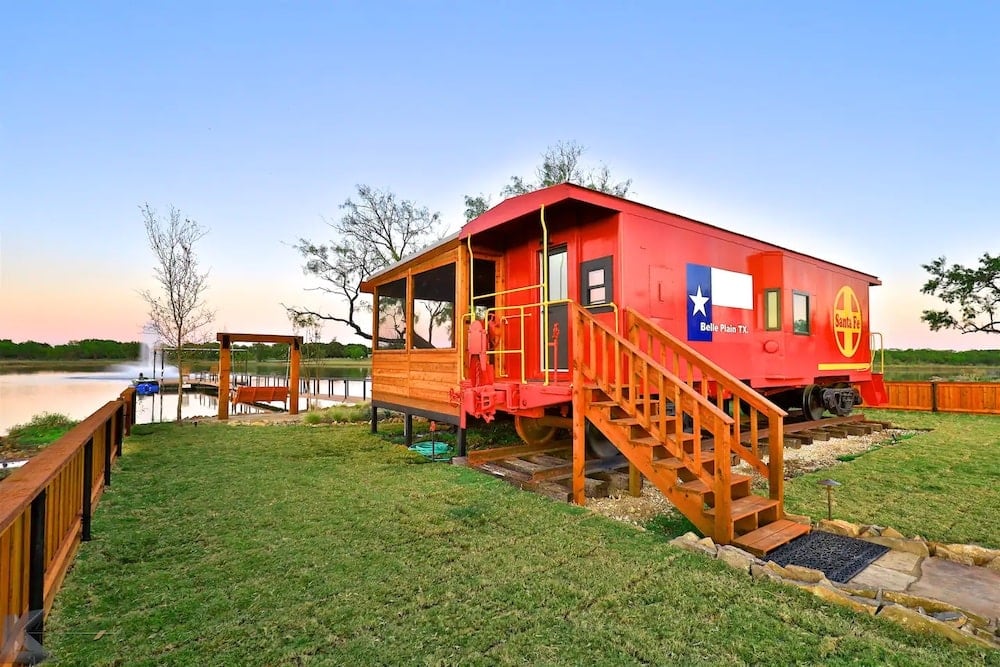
x,y
665,479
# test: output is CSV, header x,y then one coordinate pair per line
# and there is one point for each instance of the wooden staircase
x,y
662,405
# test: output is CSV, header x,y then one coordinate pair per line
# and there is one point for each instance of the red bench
x,y
252,395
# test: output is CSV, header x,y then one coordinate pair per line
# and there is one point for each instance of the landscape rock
x,y
800,573
955,619
778,570
916,621
837,597
949,552
979,555
735,557
932,606
707,544
857,591
994,564
685,541
901,544
759,571
889,531
839,527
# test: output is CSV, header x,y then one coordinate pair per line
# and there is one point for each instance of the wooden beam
x,y
225,368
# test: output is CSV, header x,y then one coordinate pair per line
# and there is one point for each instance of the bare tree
x,y
177,312
561,163
375,231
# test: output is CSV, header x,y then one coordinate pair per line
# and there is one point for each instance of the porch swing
x,y
258,394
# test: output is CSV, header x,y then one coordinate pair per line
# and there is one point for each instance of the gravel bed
x,y
808,458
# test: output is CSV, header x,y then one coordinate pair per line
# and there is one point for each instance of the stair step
x,y
653,441
768,538
672,463
603,404
698,486
624,421
747,505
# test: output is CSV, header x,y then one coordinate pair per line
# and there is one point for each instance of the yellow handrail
x,y
881,351
545,295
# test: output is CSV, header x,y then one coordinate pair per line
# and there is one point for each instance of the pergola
x,y
226,341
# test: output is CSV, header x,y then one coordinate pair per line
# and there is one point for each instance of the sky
x,y
867,134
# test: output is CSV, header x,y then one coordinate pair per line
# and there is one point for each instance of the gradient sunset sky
x,y
864,133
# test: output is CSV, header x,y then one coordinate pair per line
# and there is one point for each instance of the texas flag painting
x,y
711,293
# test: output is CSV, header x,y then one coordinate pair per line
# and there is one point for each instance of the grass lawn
x,y
242,545
942,484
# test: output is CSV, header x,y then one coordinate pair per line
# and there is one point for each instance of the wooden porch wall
x,y
969,397
422,378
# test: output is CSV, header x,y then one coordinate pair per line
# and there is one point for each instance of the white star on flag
x,y
699,302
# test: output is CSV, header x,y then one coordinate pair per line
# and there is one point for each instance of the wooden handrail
x,y
649,373
733,384
45,511
711,372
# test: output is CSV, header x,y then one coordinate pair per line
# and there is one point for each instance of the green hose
x,y
434,450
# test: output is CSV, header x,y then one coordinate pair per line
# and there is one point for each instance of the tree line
x,y
942,357
81,349
110,350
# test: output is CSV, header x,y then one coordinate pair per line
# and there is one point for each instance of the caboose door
x,y
556,357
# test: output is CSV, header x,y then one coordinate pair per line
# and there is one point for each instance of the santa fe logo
x,y
716,299
847,321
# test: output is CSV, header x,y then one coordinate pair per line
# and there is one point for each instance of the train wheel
x,y
812,402
533,431
599,444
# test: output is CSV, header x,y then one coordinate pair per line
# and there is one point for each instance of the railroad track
x,y
547,468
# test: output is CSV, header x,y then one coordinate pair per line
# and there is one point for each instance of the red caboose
x,y
677,342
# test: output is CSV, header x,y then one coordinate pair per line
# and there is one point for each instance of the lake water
x,y
78,395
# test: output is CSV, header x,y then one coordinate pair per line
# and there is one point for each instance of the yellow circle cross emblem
x,y
847,321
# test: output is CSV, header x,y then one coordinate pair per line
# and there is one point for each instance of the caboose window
x,y
800,313
772,309
595,287
434,309
392,315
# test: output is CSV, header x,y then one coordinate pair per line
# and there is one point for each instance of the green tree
x,y
973,291
561,163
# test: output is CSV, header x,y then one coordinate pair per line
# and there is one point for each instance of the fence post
x,y
107,456
934,396
119,429
88,487
36,567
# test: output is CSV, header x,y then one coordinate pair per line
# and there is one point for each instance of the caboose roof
x,y
517,207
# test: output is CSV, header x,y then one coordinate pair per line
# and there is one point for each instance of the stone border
x,y
966,554
911,611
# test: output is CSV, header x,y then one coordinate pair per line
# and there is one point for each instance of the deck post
x,y
374,419
408,429
634,481
225,368
460,441
36,566
295,358
88,488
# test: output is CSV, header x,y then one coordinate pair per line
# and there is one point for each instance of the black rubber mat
x,y
837,556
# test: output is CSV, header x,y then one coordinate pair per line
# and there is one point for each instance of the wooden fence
x,y
45,512
971,397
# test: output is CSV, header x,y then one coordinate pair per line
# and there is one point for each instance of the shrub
x,y
40,431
